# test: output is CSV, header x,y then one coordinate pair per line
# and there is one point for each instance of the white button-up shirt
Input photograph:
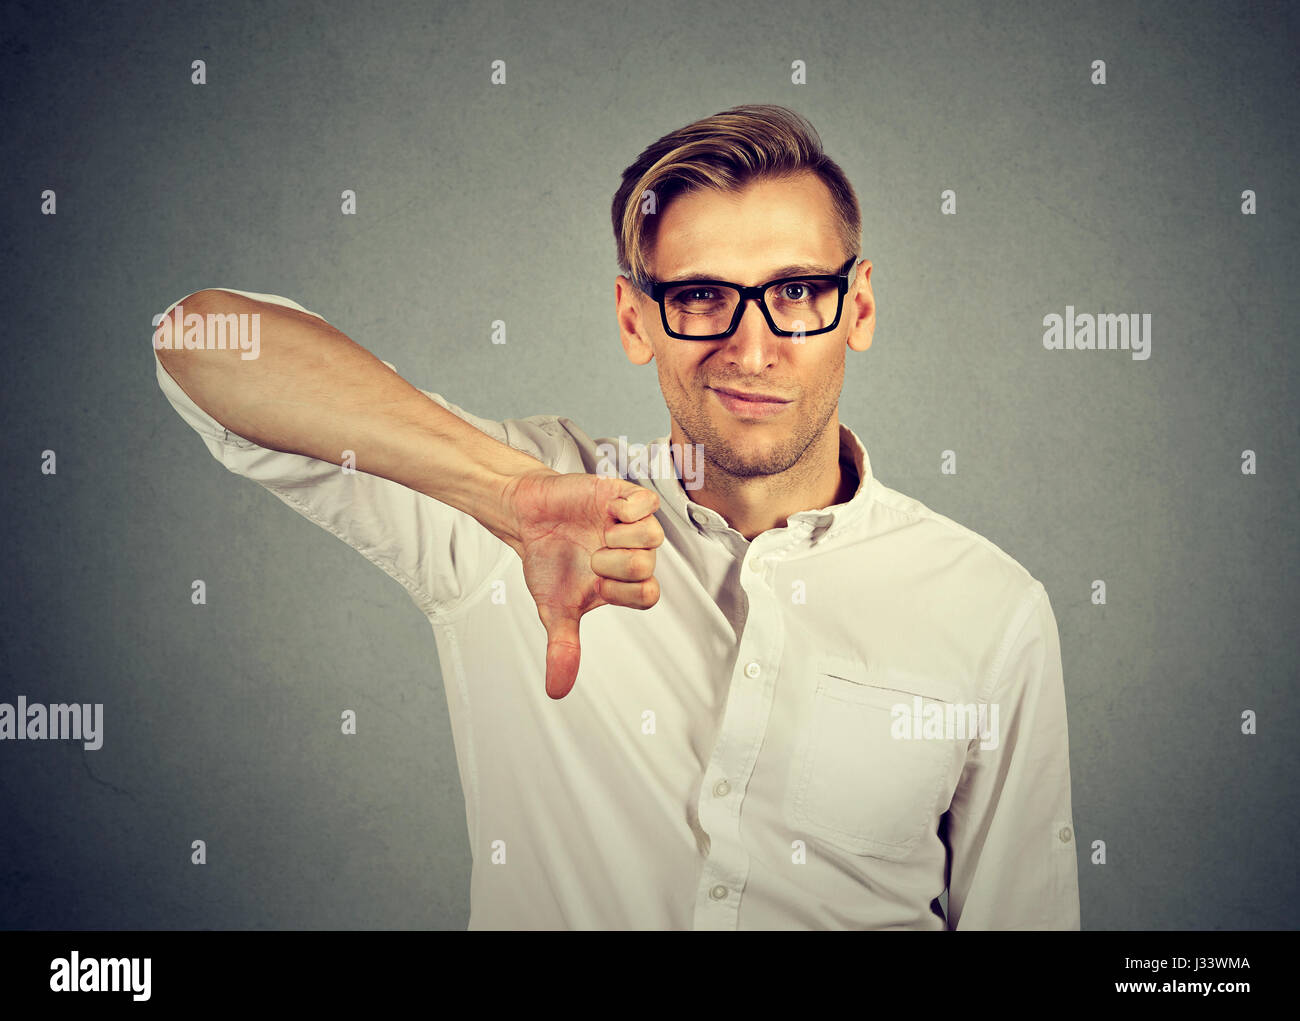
x,y
776,744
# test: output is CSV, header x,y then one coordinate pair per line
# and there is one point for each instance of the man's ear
x,y
629,304
861,310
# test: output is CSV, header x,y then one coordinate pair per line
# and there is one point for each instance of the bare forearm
x,y
313,391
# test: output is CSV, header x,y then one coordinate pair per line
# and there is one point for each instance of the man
x,y
762,725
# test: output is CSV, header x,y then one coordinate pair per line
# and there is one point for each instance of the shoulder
x,y
960,567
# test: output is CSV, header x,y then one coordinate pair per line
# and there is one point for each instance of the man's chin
x,y
740,451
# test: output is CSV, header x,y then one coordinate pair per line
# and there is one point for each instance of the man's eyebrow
x,y
793,270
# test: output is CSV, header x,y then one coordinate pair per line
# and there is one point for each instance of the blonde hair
x,y
725,151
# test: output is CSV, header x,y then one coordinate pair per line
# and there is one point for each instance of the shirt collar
x,y
817,523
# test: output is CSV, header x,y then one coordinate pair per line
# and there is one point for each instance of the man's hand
x,y
586,541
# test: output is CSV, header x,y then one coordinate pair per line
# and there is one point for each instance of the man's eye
x,y
798,291
694,294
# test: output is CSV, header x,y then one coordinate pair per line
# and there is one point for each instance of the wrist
x,y
504,518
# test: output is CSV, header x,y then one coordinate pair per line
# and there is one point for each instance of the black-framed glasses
x,y
801,306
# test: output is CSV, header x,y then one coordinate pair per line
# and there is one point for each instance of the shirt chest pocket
x,y
861,777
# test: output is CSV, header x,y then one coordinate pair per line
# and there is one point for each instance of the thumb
x,y
562,649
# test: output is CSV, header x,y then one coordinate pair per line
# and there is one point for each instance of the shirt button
x,y
721,789
752,669
718,893
1064,834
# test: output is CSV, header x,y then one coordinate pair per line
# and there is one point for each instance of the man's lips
x,y
749,406
745,396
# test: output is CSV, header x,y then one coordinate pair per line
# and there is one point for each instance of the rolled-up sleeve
x,y
439,554
1010,831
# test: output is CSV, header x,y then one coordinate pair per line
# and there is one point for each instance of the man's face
x,y
749,237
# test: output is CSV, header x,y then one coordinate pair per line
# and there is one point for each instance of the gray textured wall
x,y
222,724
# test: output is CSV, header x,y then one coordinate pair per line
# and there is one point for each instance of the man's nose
x,y
753,345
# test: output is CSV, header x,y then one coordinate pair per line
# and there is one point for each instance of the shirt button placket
x,y
746,708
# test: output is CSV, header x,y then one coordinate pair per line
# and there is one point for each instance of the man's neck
x,y
752,505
